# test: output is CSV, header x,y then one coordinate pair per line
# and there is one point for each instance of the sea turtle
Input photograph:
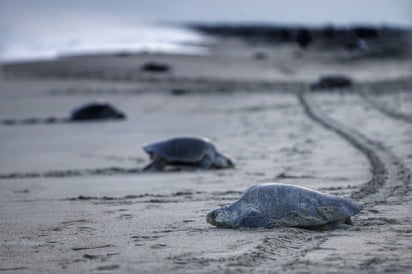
x,y
155,67
185,151
274,205
303,38
332,81
96,111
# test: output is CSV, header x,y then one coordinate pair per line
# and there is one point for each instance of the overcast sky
x,y
398,12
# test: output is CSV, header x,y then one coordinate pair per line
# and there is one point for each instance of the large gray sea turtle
x,y
185,151
274,205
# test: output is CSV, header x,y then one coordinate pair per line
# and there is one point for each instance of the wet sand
x,y
73,198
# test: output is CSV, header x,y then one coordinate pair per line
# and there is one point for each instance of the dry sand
x,y
72,198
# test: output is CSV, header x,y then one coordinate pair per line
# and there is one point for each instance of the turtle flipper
x,y
251,217
338,224
156,165
206,163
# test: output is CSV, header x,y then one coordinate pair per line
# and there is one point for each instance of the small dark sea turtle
x,y
185,151
303,38
88,112
276,205
155,67
331,82
96,111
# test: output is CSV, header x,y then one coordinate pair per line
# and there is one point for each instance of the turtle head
x,y
113,113
220,217
222,161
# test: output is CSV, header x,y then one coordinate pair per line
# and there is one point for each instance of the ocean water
x,y
52,39
49,28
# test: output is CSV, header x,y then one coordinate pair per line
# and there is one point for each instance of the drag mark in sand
x,y
282,249
175,197
70,173
106,171
388,187
388,111
390,177
12,268
33,121
92,247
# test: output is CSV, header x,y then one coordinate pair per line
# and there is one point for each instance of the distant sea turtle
x,y
185,151
303,38
155,67
332,81
274,205
88,112
96,111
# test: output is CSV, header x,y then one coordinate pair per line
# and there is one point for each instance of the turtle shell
x,y
332,81
289,205
96,111
182,149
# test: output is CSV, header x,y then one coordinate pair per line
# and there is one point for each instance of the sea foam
x,y
47,40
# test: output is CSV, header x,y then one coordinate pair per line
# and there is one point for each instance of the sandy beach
x,y
73,198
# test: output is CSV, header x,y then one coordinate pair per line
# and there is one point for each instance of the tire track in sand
x,y
286,249
383,241
384,109
390,177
